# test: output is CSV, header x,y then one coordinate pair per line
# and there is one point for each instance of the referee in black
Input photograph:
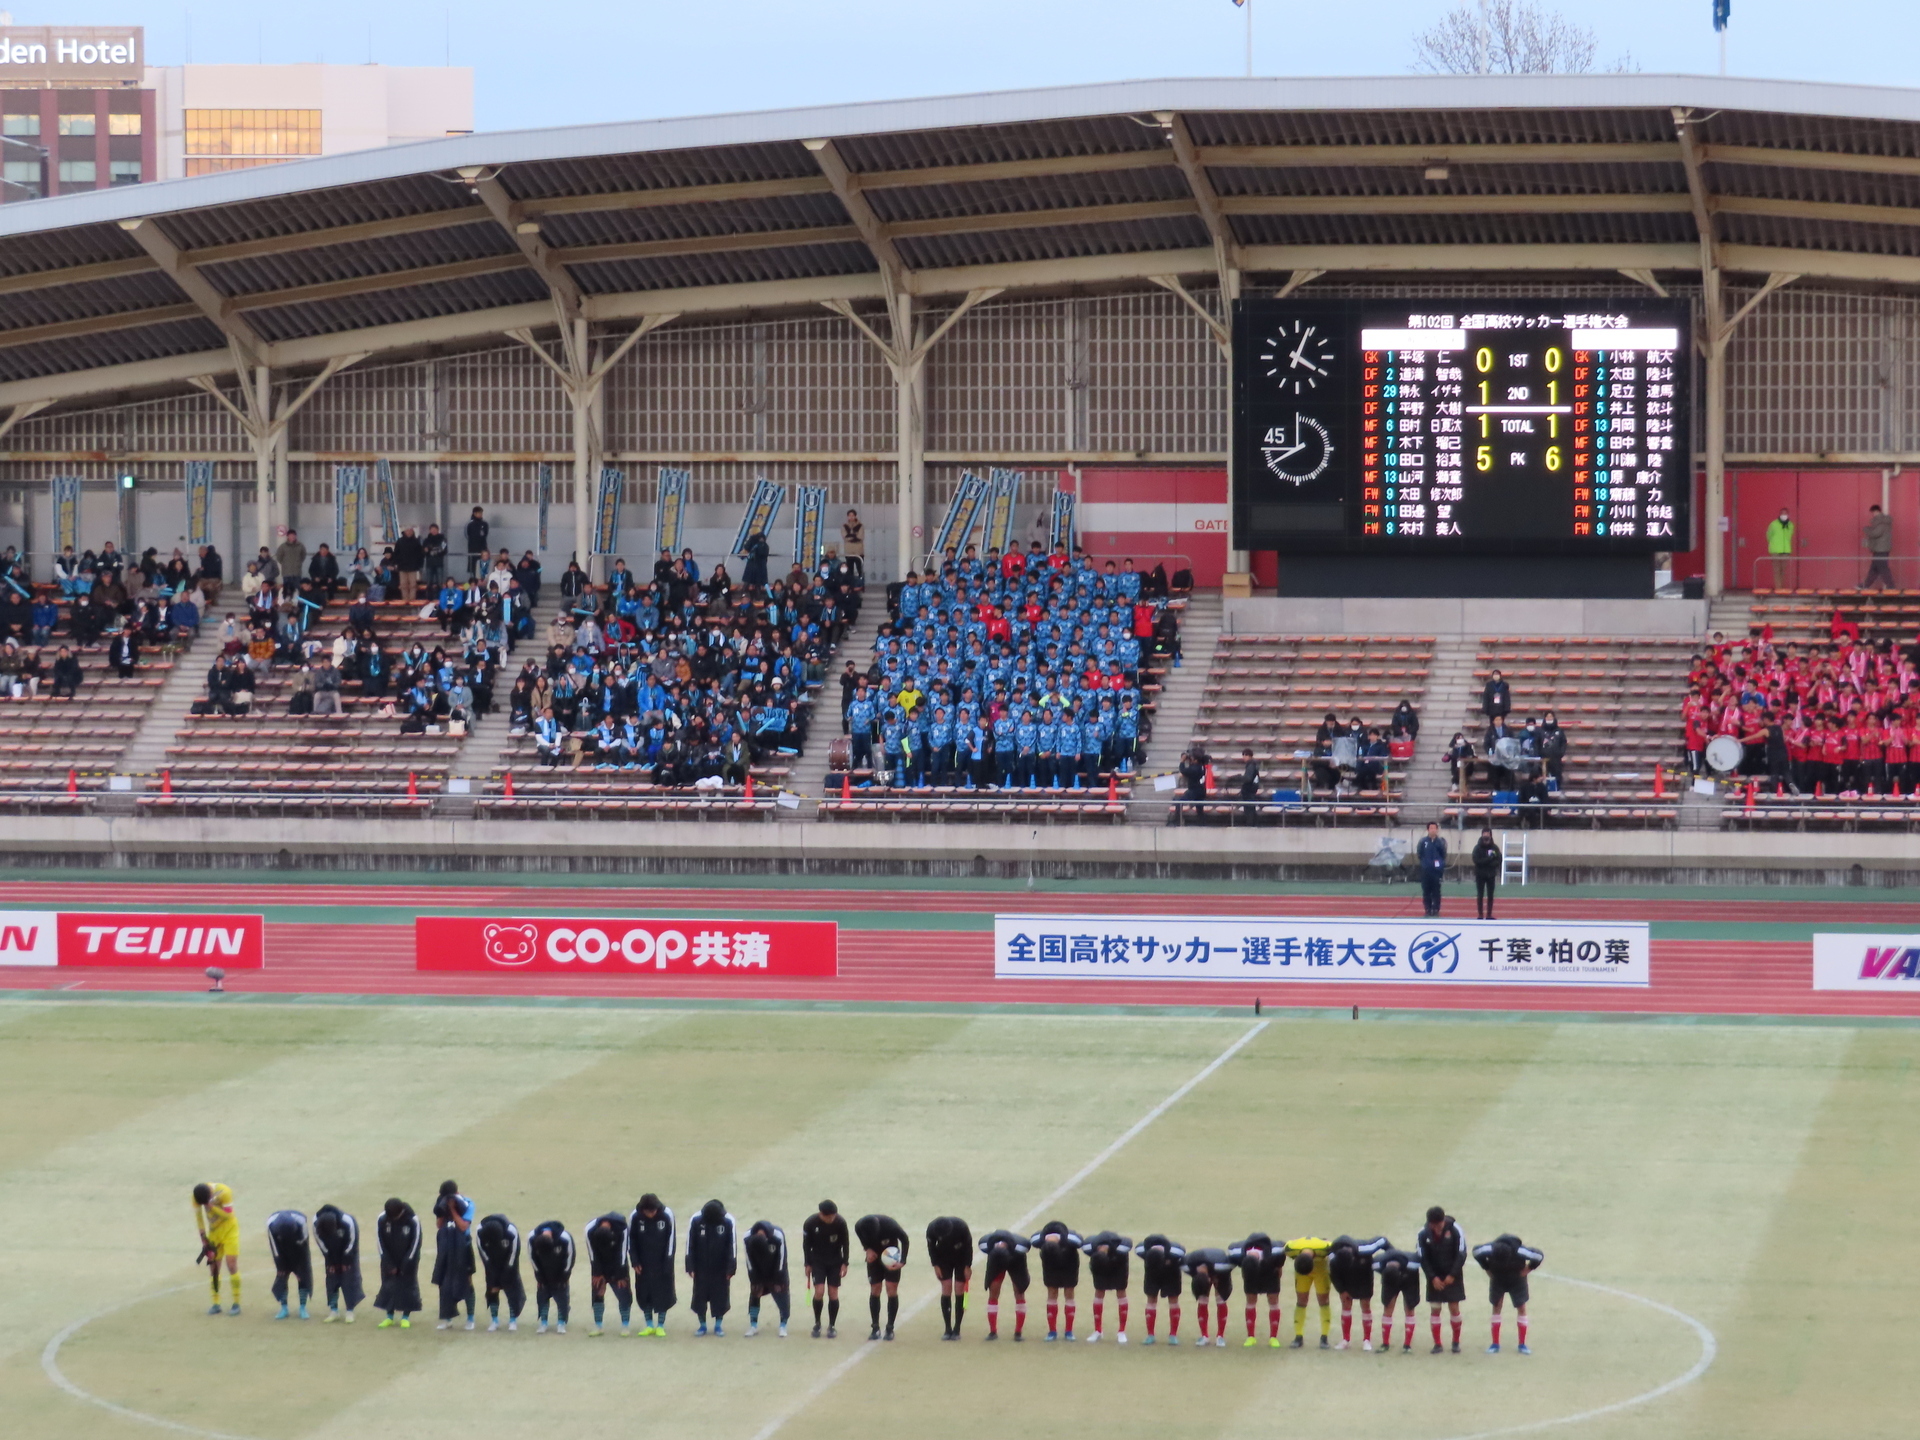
x,y
950,1248
877,1234
826,1251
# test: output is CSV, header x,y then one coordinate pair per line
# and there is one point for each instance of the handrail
x,y
1831,572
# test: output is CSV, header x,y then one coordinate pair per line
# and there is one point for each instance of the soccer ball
x,y
890,1257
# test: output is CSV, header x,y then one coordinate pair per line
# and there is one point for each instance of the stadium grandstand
x,y
875,465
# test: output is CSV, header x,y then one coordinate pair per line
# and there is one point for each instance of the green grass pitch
x,y
1754,1177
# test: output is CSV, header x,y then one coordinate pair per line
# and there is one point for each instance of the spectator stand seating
x,y
708,693
271,761
56,753
1271,694
1613,697
1803,617
1005,646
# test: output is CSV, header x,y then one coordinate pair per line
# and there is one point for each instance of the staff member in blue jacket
x,y
1432,855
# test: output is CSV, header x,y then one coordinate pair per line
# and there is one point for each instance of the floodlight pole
x,y
1249,9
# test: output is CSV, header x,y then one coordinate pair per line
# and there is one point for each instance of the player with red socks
x,y
1443,1256
1110,1269
1160,1279
1260,1262
1508,1263
1059,1251
1399,1275
1350,1266
1006,1255
1212,1271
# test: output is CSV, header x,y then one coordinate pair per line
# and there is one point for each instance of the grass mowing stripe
x,y
926,1297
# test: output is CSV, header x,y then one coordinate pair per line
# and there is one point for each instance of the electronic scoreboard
x,y
1436,427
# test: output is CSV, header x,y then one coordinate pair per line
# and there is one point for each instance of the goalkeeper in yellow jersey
x,y
1311,1272
219,1231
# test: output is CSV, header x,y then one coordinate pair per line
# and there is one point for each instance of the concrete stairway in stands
x,y
1452,694
146,753
480,751
1178,706
1731,615
808,773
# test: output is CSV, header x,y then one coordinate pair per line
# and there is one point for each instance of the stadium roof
x,y
455,241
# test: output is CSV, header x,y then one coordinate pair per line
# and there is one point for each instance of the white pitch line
x,y
1709,1349
839,1372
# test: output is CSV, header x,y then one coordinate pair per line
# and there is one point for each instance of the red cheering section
x,y
233,942
716,949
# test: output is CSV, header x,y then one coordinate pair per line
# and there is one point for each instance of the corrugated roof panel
x,y
313,210
60,249
364,257
734,267
95,297
1819,235
1463,229
1058,242
113,347
658,170
1427,127
678,222
392,307
1838,187
1039,192
1461,180
1812,132
979,144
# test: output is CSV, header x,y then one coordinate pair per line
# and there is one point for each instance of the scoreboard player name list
x,y
1458,411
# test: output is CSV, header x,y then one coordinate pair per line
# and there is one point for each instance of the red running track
x,y
1690,977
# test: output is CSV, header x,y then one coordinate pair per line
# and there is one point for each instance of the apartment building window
x,y
238,139
78,172
76,125
27,125
20,180
123,124
123,172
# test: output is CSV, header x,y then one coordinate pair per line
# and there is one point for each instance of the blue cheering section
x,y
809,521
670,509
1423,952
606,509
349,507
199,485
762,510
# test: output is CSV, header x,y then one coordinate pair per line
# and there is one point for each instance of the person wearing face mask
x,y
1780,537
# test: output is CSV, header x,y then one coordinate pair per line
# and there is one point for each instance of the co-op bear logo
x,y
511,944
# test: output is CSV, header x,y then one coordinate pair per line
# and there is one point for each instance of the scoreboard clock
x,y
1429,426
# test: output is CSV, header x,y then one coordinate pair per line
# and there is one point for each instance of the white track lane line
x,y
839,1372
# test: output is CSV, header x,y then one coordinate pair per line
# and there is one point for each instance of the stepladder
x,y
1513,857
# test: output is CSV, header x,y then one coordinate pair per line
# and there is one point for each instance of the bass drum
x,y
1724,754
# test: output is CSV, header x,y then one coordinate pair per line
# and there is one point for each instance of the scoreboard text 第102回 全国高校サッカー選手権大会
x,y
1460,427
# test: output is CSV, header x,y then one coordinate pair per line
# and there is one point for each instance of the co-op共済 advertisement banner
x,y
51,937
1889,964
1126,947
715,948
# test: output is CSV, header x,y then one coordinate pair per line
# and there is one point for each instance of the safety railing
x,y
1779,573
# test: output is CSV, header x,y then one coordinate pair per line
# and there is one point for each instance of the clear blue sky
x,y
559,63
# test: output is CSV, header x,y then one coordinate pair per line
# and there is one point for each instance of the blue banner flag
x,y
1003,494
349,507
670,508
761,511
809,525
199,502
66,512
606,511
1062,531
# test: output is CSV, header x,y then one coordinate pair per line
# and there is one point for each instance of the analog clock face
x,y
1297,452
1296,358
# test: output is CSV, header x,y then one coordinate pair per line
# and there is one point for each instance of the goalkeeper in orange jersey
x,y
219,1228
1311,1273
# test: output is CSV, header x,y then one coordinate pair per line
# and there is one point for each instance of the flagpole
x,y
1723,63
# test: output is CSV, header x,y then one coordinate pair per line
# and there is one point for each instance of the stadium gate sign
x,y
48,937
719,949
1886,963
1128,947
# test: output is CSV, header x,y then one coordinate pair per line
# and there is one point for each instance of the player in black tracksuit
x,y
950,1248
826,1251
338,1235
1350,1267
713,1254
1399,1274
551,1251
397,1233
1508,1262
1109,1268
1160,1280
650,1245
767,1273
498,1240
607,1263
1443,1256
876,1233
292,1255
1261,1263
453,1264
1059,1251
1212,1272
1006,1255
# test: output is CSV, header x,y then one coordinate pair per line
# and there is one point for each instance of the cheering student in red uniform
x,y
1873,756
1896,742
1850,764
1833,755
